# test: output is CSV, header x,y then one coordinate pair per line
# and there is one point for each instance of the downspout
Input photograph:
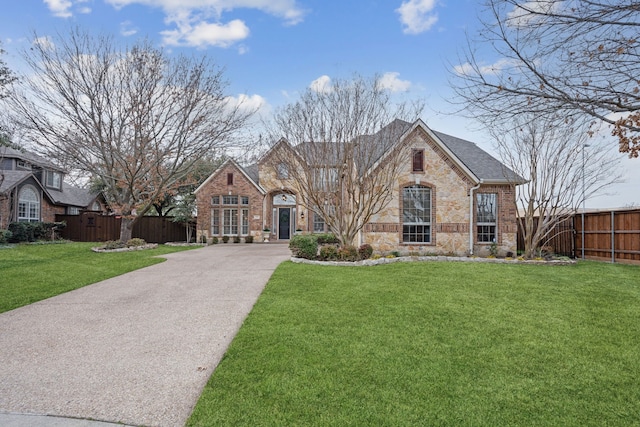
x,y
471,190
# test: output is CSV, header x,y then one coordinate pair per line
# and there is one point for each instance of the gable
x,y
219,177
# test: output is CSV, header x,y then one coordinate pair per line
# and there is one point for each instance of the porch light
x,y
284,197
301,214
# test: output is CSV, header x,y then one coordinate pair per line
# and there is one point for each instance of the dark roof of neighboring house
x,y
72,196
12,178
29,157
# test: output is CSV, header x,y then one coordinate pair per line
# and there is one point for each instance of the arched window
x,y
416,214
28,204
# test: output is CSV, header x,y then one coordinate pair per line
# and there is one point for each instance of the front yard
x,y
30,273
447,344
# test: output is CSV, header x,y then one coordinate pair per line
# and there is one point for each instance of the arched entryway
x,y
283,215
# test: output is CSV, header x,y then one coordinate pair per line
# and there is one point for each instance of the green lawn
x,y
30,273
435,344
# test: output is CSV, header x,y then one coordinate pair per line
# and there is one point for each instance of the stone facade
x,y
453,207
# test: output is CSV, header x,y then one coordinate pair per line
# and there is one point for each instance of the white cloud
x,y
492,69
321,85
417,15
198,22
206,34
60,8
391,82
521,17
44,42
128,29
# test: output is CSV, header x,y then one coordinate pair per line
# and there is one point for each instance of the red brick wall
x,y
241,186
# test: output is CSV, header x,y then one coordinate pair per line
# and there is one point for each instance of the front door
x,y
284,223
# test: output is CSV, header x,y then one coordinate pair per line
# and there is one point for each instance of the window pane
x,y
230,222
244,200
486,208
215,222
215,200
318,223
416,214
230,200
245,221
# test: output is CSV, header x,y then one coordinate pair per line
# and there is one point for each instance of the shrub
x,y
214,240
248,239
348,253
395,254
203,239
328,253
304,246
365,251
328,238
225,239
236,239
21,232
5,236
113,244
136,241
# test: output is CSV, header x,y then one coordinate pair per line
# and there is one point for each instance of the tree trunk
x,y
126,228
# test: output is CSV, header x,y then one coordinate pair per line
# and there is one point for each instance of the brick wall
x,y
217,185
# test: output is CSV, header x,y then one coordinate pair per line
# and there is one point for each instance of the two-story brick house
x,y
33,189
450,197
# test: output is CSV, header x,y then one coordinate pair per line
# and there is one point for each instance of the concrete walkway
x,y
136,349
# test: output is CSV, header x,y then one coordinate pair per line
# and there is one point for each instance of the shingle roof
x,y
12,178
29,157
481,163
72,196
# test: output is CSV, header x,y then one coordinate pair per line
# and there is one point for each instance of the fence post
x,y
613,238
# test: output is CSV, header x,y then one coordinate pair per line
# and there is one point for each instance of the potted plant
x,y
266,232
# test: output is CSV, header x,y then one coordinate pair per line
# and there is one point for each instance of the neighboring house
x,y
451,197
33,189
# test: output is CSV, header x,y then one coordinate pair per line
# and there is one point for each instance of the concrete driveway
x,y
136,349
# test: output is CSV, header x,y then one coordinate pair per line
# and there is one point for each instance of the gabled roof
x,y
247,174
12,178
29,157
71,196
482,164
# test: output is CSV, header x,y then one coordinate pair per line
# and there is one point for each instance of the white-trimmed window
x,y
319,225
416,214
283,171
73,210
215,222
54,180
28,204
230,222
486,217
244,230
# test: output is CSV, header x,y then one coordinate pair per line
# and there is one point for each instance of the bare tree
x,y
346,157
563,166
6,78
134,119
578,58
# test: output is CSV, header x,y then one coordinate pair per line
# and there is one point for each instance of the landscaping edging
x,y
127,249
379,261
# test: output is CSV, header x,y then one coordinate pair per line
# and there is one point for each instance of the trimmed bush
x,y
32,231
214,240
328,253
236,239
365,251
113,244
248,239
136,241
5,236
348,253
328,238
304,246
225,239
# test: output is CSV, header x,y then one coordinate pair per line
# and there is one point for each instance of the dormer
x,y
52,179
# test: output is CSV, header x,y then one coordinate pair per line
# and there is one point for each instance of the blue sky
x,y
273,49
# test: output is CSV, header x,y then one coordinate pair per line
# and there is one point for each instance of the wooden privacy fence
x,y
608,235
94,227
611,235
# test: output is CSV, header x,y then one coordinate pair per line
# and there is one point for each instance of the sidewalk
x,y
135,349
